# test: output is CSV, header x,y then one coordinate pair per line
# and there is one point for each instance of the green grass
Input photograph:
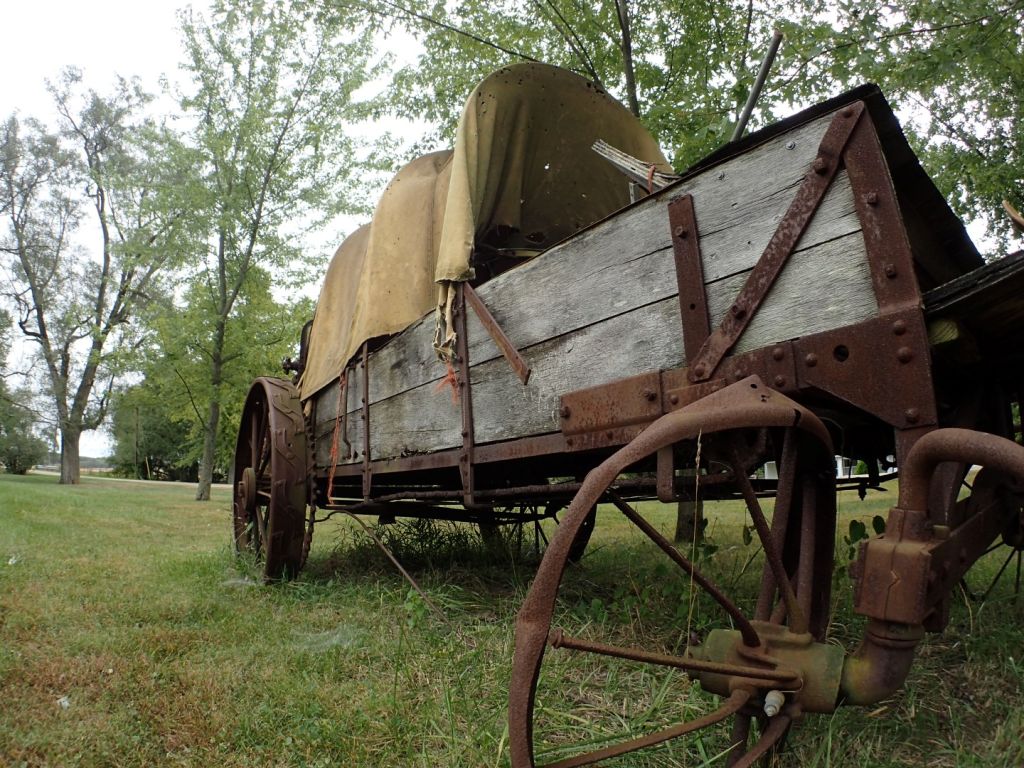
x,y
125,599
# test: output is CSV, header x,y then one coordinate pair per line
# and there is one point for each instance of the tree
x,y
271,94
75,305
20,448
956,70
640,52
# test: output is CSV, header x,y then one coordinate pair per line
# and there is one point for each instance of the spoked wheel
x,y
497,536
771,666
270,488
991,489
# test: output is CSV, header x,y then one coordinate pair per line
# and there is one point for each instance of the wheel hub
x,y
817,668
247,490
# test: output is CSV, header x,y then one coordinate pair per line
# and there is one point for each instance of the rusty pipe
x,y
952,444
881,663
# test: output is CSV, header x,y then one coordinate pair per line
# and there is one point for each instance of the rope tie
x,y
451,380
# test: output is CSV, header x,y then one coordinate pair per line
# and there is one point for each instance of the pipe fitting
x,y
879,666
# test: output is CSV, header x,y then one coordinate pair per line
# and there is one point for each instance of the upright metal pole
x,y
755,92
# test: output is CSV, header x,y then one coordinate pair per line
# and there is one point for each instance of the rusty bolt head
x,y
820,165
609,434
780,381
738,312
564,412
848,112
650,395
912,415
700,370
899,327
790,144
465,433
680,232
904,354
674,399
778,354
871,198
811,360
890,271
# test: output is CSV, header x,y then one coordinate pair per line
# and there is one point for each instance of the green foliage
x,y
20,448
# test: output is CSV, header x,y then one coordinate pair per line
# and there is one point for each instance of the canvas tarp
x,y
522,177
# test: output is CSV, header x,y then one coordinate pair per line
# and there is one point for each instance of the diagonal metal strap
x,y
791,228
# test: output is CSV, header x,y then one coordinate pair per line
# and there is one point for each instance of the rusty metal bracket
x,y
622,403
812,191
465,393
693,301
504,344
343,405
367,469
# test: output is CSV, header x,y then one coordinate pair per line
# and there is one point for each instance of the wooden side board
x,y
603,305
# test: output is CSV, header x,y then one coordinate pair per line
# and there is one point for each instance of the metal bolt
x,y
650,395
790,145
913,415
848,112
811,360
899,327
674,399
680,232
564,412
721,175
609,434
465,433
904,354
780,381
820,166
890,271
871,198
738,312
700,370
778,354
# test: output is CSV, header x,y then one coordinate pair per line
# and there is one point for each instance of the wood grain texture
x,y
602,305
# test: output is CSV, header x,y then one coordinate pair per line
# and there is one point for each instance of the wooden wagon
x,y
801,293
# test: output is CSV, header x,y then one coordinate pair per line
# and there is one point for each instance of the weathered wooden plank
x,y
645,338
627,259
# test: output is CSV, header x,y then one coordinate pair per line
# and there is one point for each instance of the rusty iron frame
x,y
466,458
367,468
693,302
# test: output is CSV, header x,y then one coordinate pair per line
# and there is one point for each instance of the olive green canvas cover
x,y
522,177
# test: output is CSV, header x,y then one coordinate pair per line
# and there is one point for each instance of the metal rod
x,y
780,522
732,705
755,92
560,640
749,634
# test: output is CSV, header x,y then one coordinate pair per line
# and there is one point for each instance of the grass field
x,y
130,635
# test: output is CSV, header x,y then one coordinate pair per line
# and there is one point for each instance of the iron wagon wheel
x,y
491,532
270,481
772,665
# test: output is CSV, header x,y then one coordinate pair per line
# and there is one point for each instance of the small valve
x,y
773,703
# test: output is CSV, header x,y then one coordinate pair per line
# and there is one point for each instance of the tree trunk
x,y
209,450
70,463
689,521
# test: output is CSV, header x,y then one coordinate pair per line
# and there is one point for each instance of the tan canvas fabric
x,y
382,278
522,177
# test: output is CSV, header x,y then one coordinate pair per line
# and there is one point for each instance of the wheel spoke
x,y
732,705
780,522
738,739
750,637
999,575
778,675
776,729
797,618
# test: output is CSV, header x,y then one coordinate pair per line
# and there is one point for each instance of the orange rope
x,y
451,380
337,430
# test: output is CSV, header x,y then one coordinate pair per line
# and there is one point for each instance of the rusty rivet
x,y
564,412
904,354
820,166
568,442
680,232
465,433
649,394
778,354
871,198
780,381
674,399
899,327
811,360
912,414
890,271
609,434
738,312
848,112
